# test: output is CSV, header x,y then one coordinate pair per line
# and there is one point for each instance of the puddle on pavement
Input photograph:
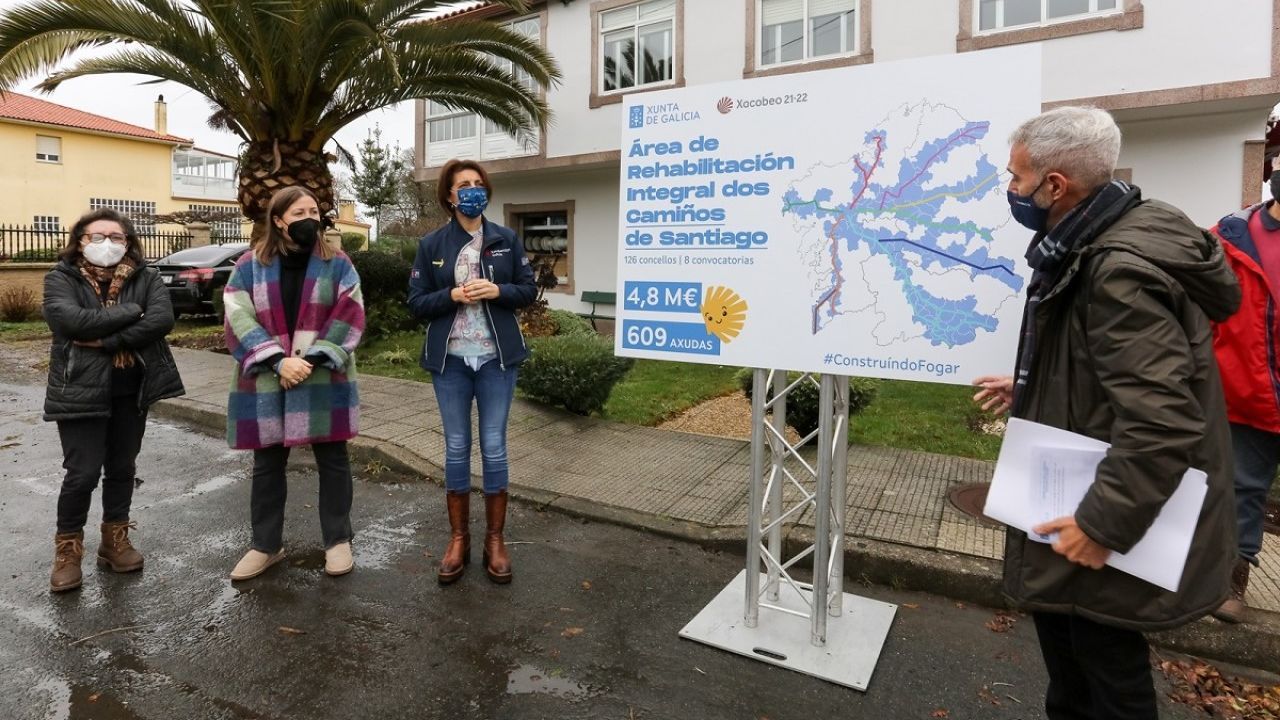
x,y
527,679
71,701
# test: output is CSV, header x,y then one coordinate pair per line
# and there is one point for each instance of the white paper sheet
x,y
1043,473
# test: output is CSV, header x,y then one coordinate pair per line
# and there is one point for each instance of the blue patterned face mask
x,y
472,201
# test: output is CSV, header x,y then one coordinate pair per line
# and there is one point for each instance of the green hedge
x,y
384,280
352,242
802,401
576,372
570,323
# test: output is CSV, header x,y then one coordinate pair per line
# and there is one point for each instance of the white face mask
x,y
105,254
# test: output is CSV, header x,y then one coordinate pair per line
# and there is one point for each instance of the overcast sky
x,y
122,97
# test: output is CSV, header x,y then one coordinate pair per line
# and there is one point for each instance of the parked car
x,y
196,275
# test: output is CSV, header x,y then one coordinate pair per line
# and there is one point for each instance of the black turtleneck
x,y
293,271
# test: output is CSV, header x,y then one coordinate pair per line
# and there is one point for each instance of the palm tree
x,y
285,75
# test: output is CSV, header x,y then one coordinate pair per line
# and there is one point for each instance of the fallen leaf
x,y
1002,622
291,630
940,713
911,606
307,506
94,697
571,632
986,694
960,605
586,584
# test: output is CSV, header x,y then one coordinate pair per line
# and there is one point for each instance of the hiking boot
x,y
68,550
457,554
116,552
497,563
1233,609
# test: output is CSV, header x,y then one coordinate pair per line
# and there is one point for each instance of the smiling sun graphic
x,y
724,313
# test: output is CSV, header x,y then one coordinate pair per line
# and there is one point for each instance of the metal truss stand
x,y
814,628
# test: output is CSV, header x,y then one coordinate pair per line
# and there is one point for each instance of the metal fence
x,y
21,243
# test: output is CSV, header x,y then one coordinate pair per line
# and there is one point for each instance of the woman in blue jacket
x,y
469,278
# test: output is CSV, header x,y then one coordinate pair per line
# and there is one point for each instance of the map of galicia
x,y
899,237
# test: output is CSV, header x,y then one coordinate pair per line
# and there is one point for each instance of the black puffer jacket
x,y
80,377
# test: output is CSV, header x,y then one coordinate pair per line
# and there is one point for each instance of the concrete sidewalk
x,y
902,530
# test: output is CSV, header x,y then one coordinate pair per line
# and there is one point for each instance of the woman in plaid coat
x,y
294,316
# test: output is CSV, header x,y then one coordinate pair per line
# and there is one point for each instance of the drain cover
x,y
970,499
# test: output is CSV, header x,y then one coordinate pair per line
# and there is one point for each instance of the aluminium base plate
x,y
854,638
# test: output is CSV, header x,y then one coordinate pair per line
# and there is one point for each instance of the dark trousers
x,y
1096,672
270,488
1257,454
95,448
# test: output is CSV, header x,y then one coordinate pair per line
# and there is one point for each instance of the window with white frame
x,y
637,45
46,224
797,30
1003,14
458,133
141,212
221,229
48,149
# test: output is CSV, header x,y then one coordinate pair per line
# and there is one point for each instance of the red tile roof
x,y
476,8
14,106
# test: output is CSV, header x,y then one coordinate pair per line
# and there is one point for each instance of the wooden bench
x,y
598,298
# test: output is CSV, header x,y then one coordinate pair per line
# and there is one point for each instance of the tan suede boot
x,y
457,555
497,563
68,550
1233,609
116,552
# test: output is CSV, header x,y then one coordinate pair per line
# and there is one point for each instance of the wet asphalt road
x,y
587,630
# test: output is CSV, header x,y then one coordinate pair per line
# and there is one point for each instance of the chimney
x,y
162,116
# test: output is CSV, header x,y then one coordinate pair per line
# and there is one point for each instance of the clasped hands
x,y
294,371
474,291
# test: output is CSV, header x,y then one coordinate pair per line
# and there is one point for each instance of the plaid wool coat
x,y
324,408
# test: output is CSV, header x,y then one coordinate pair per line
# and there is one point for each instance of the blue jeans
x,y
1257,453
492,387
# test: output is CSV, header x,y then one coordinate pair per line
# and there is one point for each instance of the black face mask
x,y
304,233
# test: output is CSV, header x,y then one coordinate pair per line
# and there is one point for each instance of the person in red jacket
x,y
1247,352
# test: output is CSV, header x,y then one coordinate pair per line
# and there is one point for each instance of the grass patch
x,y
393,356
924,416
656,390
31,330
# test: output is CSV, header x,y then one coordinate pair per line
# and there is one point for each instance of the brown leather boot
x,y
116,552
1233,609
457,555
68,549
497,563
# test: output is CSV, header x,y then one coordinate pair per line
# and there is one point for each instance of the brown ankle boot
x,y
116,552
457,555
68,549
1233,609
497,563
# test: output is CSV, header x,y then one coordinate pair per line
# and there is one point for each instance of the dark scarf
x,y
116,276
1048,252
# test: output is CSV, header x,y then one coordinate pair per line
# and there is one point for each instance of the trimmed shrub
x,y
384,280
36,255
576,372
803,400
352,242
405,247
570,323
19,304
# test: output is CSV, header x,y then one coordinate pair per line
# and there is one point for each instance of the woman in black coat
x,y
108,363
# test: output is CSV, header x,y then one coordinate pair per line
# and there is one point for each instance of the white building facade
x,y
1191,84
